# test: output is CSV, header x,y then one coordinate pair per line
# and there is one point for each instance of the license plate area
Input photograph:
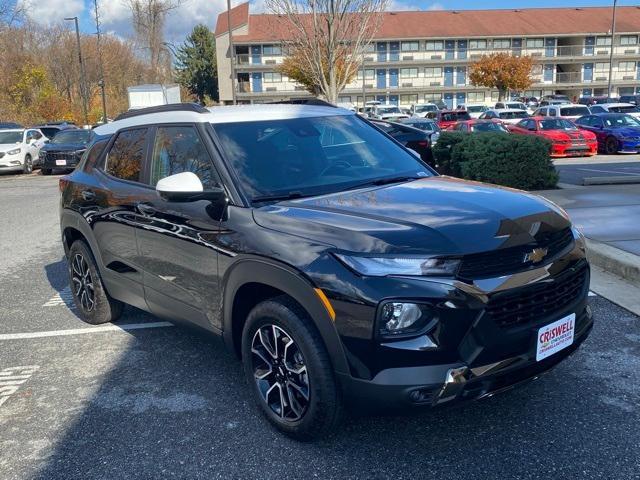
x,y
555,336
61,162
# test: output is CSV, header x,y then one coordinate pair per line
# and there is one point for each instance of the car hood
x,y
627,131
63,147
5,147
566,134
436,215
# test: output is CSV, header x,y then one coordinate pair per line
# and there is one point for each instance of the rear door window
x,y
126,156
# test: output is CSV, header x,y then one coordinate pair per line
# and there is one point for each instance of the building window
x,y
369,74
345,99
271,50
495,96
434,45
272,77
477,44
502,43
409,99
603,41
602,67
433,72
410,46
628,40
432,97
408,73
535,43
627,66
475,97
369,48
536,69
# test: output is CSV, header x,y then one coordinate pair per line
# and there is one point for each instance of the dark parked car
x,y
64,150
414,138
597,100
633,99
616,132
338,267
425,125
9,125
50,130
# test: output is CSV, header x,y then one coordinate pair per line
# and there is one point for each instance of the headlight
x,y
15,151
79,153
383,266
397,319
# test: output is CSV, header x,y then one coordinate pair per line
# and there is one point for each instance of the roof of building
x,y
456,23
225,114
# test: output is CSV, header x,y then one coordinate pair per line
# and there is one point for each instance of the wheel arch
x,y
262,279
74,227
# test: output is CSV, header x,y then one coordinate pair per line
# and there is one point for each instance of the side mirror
x,y
186,187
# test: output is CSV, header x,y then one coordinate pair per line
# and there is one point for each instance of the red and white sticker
x,y
554,337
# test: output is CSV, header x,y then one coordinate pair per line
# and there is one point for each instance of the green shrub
x,y
518,161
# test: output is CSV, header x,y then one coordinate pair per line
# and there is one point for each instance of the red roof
x,y
239,17
460,24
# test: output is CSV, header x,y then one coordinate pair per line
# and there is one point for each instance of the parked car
x,y
387,111
448,118
544,103
627,108
19,149
506,116
530,102
597,100
425,125
567,140
421,109
570,111
616,132
510,106
478,126
64,150
556,98
474,109
414,138
633,99
339,268
9,125
50,130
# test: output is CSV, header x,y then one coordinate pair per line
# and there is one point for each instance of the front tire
x,y
28,164
611,146
289,371
89,295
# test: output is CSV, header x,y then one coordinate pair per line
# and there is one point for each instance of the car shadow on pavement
x,y
172,403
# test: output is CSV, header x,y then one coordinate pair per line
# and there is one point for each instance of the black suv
x,y
336,265
64,150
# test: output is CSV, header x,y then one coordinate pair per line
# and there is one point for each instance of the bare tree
x,y
10,12
329,36
149,17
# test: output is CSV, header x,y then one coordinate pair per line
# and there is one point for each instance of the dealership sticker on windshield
x,y
554,337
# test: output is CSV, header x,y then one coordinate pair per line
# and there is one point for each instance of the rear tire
x,y
611,146
28,164
289,371
89,295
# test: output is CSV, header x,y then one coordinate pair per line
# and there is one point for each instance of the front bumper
x,y
397,389
50,161
629,146
568,150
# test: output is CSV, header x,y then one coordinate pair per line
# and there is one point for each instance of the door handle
x,y
146,208
88,195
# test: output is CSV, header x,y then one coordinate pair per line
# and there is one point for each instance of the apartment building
x,y
422,56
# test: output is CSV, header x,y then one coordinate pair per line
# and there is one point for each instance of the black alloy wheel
x,y
82,282
28,164
611,146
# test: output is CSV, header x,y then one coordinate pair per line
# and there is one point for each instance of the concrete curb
x,y
619,180
613,260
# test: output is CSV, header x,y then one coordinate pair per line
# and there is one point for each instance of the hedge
x,y
518,161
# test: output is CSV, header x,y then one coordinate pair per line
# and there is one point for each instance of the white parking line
x,y
592,294
81,331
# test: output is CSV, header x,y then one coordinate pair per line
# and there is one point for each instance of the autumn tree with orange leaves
x,y
503,72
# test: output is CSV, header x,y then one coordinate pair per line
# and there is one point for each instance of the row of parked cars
x,y
56,145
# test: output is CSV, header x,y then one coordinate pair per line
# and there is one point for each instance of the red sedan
x,y
448,118
566,139
477,125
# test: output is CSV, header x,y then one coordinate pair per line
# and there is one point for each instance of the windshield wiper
x,y
273,198
387,181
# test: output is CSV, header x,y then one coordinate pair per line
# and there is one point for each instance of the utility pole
x,y
231,54
364,82
83,81
101,81
613,33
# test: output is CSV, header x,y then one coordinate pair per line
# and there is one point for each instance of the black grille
x,y
536,302
53,156
512,259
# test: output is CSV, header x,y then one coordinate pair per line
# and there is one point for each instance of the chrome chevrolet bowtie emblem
x,y
536,255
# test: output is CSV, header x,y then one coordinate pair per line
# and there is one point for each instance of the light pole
x,y
231,54
613,33
101,81
83,85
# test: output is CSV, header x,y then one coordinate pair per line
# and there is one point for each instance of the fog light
x,y
403,318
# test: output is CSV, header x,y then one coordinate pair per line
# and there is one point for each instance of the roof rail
x,y
172,107
304,101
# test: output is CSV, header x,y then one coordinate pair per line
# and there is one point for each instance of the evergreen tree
x,y
196,64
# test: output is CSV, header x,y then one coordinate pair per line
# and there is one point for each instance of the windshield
x,y
514,115
455,116
488,127
426,108
519,106
621,121
389,110
312,156
625,109
72,136
556,124
10,137
476,108
426,126
574,111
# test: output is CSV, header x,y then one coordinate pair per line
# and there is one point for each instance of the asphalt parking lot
x,y
574,170
145,399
